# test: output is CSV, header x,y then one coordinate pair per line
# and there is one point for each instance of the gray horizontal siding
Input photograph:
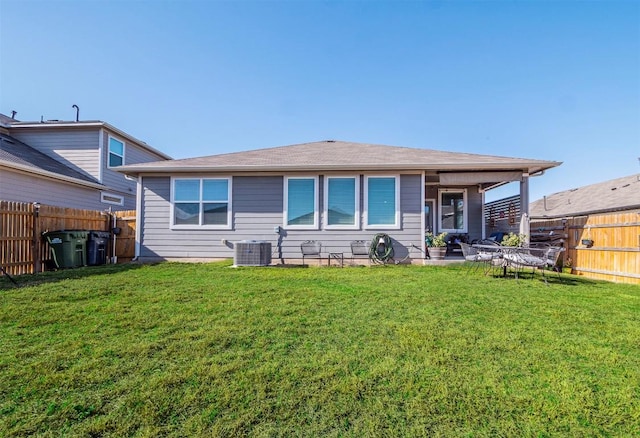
x,y
257,210
77,148
27,188
129,201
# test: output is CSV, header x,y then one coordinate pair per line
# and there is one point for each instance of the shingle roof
x,y
6,120
341,155
16,154
616,194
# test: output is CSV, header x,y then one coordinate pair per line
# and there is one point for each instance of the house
x,y
69,164
618,194
330,191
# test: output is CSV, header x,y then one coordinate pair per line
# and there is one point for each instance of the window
x,y
110,198
301,203
341,202
116,152
382,195
452,211
201,202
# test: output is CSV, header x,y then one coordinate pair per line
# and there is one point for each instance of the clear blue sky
x,y
547,80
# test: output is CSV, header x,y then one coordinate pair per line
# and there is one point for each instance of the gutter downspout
x,y
138,218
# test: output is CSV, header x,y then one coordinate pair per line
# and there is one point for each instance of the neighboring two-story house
x,y
69,164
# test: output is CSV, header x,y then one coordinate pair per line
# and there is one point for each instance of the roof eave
x,y
529,167
588,212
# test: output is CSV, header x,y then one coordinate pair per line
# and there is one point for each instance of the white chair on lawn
x,y
475,256
553,254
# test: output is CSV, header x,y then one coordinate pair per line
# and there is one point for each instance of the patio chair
x,y
359,249
476,257
553,254
521,258
311,248
490,246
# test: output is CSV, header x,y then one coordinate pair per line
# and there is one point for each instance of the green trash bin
x,y
68,248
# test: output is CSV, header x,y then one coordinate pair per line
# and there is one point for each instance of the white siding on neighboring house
x,y
76,148
21,187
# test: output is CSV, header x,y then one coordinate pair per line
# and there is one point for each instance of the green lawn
x,y
209,350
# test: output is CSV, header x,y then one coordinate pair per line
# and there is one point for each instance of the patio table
x,y
519,257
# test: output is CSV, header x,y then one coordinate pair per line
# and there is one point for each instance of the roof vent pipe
x,y
13,114
77,111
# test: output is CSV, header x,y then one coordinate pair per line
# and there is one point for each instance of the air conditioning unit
x,y
252,253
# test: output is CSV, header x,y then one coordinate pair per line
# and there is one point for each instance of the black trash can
x,y
68,247
97,247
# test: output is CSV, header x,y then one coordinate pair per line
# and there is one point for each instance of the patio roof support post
x,y
484,218
423,197
524,194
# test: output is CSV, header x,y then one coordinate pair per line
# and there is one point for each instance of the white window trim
x,y
434,220
315,204
104,195
227,226
394,226
356,224
465,212
124,151
101,155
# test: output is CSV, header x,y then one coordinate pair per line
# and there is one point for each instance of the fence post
x,y
37,259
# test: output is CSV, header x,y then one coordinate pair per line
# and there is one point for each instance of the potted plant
x,y
437,244
512,239
567,265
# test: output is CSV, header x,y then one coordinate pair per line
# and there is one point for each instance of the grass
x,y
207,350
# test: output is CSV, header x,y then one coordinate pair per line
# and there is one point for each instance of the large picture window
x,y
382,195
452,210
116,152
341,202
301,202
201,202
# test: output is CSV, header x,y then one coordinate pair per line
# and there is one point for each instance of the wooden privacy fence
x,y
23,250
599,246
126,239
